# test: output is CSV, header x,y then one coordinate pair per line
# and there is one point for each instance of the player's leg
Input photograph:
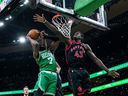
x,y
85,83
58,89
80,82
41,84
38,93
51,88
74,81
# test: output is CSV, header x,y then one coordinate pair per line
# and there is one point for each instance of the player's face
x,y
26,91
77,35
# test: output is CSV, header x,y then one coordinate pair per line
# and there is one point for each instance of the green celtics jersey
x,y
46,61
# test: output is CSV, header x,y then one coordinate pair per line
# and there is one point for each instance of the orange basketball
x,y
34,33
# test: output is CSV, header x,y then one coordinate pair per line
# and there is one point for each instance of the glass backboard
x,y
90,12
4,3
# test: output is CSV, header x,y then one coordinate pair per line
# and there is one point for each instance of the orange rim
x,y
56,16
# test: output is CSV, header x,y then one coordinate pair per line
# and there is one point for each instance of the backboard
x,y
89,12
4,3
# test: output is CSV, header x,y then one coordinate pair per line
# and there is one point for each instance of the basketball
x,y
34,33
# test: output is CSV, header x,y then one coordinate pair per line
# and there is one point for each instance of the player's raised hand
x,y
38,18
113,73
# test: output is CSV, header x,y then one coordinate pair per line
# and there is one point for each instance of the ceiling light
x,y
10,17
1,23
21,5
6,18
26,2
22,39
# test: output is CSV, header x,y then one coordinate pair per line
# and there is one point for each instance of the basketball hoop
x,y
63,24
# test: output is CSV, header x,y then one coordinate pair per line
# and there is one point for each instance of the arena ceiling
x,y
22,22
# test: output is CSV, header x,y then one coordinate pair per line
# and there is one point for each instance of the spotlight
x,y
1,23
8,18
21,5
26,2
22,39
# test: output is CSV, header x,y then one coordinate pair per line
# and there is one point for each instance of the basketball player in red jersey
x,y
76,53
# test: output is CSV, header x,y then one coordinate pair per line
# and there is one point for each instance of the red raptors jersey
x,y
75,54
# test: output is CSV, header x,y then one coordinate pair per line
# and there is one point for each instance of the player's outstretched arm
x,y
96,60
42,19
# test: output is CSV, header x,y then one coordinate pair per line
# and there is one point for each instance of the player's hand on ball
x,y
113,73
38,18
28,37
43,34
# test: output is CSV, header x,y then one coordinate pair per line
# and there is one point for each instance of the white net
x,y
63,24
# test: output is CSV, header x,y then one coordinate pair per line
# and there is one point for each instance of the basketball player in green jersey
x,y
47,77
76,53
